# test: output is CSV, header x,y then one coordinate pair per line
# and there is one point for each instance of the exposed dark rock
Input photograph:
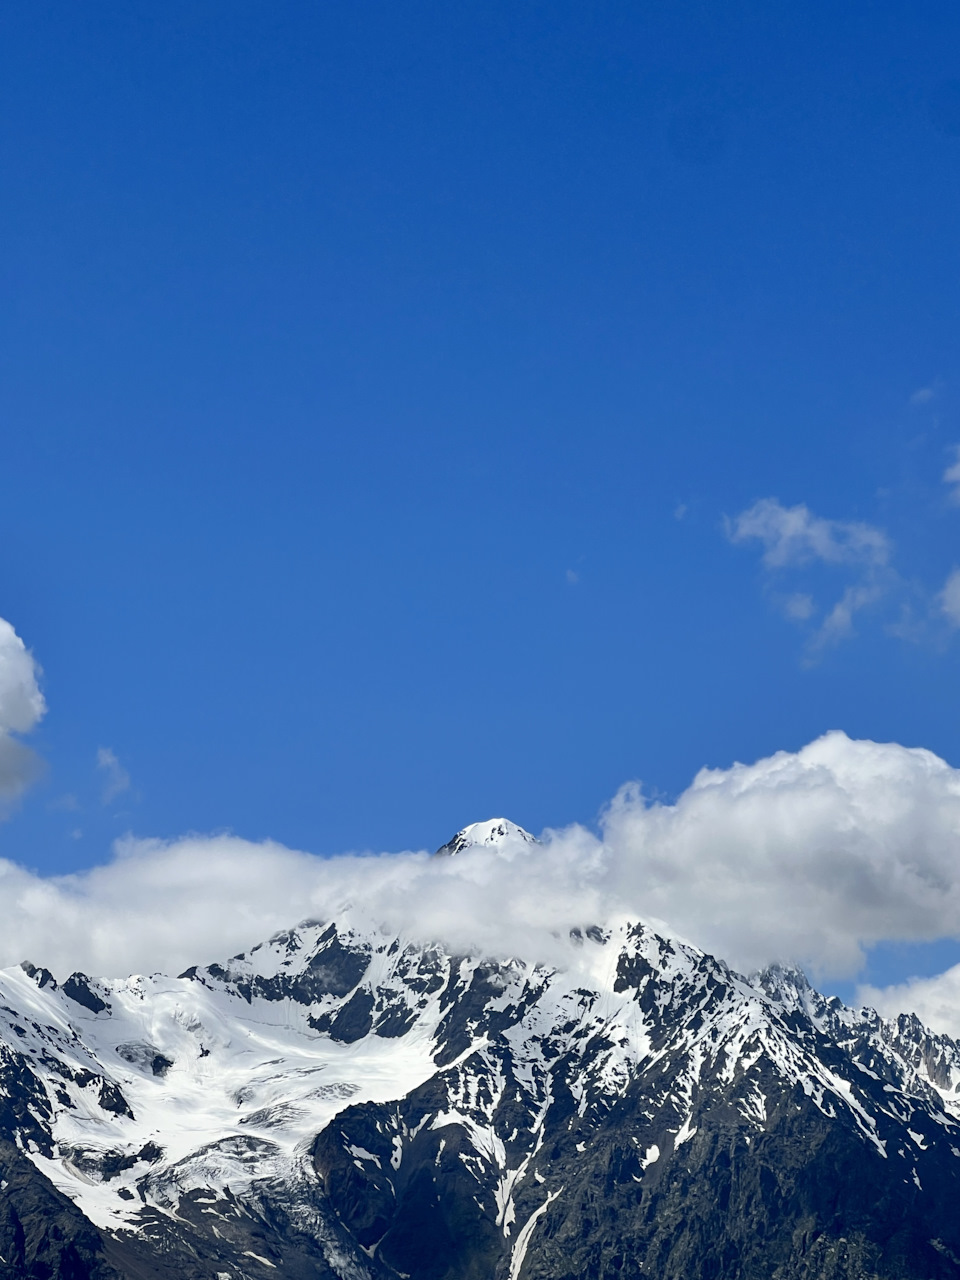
x,y
677,1121
111,1099
42,977
43,1235
77,987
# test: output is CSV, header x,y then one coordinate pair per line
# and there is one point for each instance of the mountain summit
x,y
495,831
341,1103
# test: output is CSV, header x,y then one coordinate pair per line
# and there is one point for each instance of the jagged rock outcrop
x,y
340,1102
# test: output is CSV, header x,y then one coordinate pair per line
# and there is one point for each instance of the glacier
x,y
344,1101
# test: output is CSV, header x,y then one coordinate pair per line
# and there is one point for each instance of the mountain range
x,y
341,1101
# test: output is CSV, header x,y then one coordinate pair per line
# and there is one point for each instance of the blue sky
x,y
382,386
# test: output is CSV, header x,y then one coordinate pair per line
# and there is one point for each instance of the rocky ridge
x,y
341,1102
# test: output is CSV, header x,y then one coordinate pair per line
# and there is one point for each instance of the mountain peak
x,y
337,1097
494,831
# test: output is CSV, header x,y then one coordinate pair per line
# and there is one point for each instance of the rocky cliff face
x,y
343,1103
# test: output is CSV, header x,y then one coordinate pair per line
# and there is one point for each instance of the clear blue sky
x,y
376,380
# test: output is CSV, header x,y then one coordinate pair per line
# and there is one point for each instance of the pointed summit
x,y
492,832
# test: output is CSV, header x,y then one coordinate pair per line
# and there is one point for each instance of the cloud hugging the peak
x,y
809,856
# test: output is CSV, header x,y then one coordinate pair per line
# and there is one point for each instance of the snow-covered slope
x,y
343,1102
493,832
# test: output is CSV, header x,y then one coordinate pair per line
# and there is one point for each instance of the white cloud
x,y
798,544
809,856
951,476
949,598
936,1001
21,702
21,707
159,905
838,624
799,606
117,779
794,536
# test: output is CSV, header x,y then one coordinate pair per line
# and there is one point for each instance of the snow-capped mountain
x,y
342,1102
478,835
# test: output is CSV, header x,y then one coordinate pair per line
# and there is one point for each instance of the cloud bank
x,y
809,856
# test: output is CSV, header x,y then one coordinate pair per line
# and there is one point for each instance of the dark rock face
x,y
705,1165
77,987
334,969
43,1235
668,1118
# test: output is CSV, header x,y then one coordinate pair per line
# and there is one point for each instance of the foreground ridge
x,y
339,1102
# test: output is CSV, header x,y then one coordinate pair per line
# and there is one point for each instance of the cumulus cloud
x,y
21,707
810,856
936,1001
